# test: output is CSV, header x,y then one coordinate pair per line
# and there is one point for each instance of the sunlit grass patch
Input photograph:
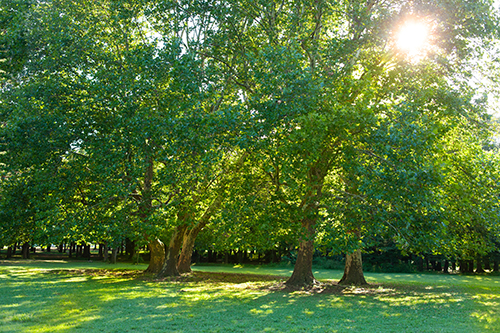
x,y
55,299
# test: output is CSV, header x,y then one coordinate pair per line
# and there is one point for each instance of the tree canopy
x,y
295,122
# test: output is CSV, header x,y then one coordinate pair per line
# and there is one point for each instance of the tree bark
x,y
420,264
114,253
302,271
100,251
157,251
353,270
129,248
487,263
9,252
105,253
184,263
479,267
470,266
170,266
86,251
26,250
446,266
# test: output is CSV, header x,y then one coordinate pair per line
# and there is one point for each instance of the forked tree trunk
x,y
170,265
157,251
302,271
184,263
189,237
353,270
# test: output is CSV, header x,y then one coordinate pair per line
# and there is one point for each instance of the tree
x,y
320,78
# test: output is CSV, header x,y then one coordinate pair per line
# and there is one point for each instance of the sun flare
x,y
412,38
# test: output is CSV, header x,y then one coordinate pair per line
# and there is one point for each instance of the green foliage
x,y
129,118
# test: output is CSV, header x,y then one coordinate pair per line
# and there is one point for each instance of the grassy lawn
x,y
60,296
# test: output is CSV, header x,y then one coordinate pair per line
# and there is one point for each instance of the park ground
x,y
81,296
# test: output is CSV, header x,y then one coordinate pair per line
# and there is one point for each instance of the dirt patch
x,y
269,283
212,277
330,287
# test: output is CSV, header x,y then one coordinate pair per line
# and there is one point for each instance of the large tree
x,y
319,78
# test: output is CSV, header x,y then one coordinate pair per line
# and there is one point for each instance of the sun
x,y
413,38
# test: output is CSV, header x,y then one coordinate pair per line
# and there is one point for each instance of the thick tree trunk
x,y
353,270
170,266
86,251
420,264
479,267
184,263
26,251
9,252
302,271
114,253
487,263
157,251
470,266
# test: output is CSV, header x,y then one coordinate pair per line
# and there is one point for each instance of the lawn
x,y
62,296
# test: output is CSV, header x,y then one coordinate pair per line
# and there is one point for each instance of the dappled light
x,y
105,300
236,166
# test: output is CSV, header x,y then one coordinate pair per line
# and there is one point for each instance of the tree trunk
x,y
302,271
495,264
479,267
189,237
86,251
353,270
100,251
157,251
184,263
114,253
239,256
26,250
446,266
420,264
129,248
9,252
470,266
487,263
170,266
106,253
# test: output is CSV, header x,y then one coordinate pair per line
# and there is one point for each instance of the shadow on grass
x,y
129,301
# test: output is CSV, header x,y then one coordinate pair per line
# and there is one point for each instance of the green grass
x,y
62,296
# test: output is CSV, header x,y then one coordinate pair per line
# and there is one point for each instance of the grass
x,y
64,296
